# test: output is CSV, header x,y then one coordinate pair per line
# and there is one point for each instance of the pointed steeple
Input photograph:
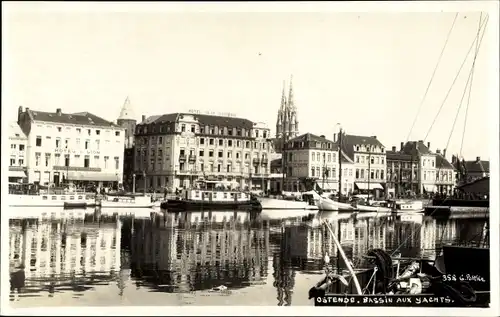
x,y
291,102
126,113
283,98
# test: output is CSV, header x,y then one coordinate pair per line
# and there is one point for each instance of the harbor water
x,y
147,257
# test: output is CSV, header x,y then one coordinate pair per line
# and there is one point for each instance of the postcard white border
x,y
491,7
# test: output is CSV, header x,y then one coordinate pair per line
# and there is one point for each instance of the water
x,y
90,258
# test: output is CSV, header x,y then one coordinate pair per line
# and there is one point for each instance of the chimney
x,y
58,111
335,137
454,159
27,109
402,145
429,145
444,153
143,118
438,151
394,149
420,141
323,136
478,158
374,136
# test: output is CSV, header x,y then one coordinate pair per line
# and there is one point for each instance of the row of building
x,y
174,150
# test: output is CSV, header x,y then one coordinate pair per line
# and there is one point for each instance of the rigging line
x,y
454,80
468,98
435,209
467,85
432,77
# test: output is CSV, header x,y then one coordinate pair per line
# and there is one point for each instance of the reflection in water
x,y
196,252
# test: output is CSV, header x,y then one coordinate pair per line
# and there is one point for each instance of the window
x,y
312,171
96,161
357,173
66,160
237,155
21,147
201,153
211,153
38,140
117,162
221,142
21,162
229,154
229,142
202,141
97,143
66,142
247,144
89,131
182,152
86,161
247,156
265,134
47,159
229,168
59,129
78,130
220,154
106,158
193,128
183,128
57,159
362,174
12,161
160,140
372,160
87,143
98,132
382,160
313,156
117,133
238,143
202,167
211,142
13,146
58,143
219,168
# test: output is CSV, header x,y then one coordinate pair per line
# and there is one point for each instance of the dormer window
x,y
117,133
357,148
97,132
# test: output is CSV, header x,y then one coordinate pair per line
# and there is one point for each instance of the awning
x,y
18,174
328,186
92,176
430,188
364,186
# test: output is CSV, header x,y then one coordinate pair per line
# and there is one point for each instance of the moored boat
x,y
80,200
126,202
213,199
278,204
405,206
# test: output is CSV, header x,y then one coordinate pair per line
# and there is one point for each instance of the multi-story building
x,y
18,146
469,171
446,180
369,157
413,168
128,121
174,150
73,148
287,124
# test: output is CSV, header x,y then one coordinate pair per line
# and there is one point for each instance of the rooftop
x,y
443,163
204,119
127,113
79,118
15,131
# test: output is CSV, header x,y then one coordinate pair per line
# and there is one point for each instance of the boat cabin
x,y
214,191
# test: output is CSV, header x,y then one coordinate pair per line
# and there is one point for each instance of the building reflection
x,y
181,252
61,254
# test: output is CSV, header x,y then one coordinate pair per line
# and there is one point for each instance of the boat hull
x,y
281,204
363,208
192,205
112,204
326,204
47,201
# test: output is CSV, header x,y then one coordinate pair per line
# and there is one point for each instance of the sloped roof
x,y
15,131
79,118
479,186
309,137
477,166
415,148
443,163
397,156
350,140
203,119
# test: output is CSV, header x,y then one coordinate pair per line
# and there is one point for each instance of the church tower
x,y
127,120
287,124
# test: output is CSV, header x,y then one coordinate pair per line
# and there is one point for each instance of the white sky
x,y
367,70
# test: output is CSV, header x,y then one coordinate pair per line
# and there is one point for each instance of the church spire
x,y
291,102
283,98
126,112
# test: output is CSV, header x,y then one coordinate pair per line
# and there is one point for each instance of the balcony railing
x,y
192,158
182,158
264,161
256,161
77,168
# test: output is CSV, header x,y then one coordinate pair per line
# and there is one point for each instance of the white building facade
x,y
18,143
76,148
369,158
175,150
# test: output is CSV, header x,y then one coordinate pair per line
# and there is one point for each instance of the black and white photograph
x,y
179,158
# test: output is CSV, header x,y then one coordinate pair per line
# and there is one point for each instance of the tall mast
x,y
340,163
369,173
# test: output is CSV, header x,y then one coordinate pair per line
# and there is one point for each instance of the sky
x,y
367,71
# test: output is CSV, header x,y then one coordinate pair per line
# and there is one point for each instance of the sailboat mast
x,y
369,173
340,163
